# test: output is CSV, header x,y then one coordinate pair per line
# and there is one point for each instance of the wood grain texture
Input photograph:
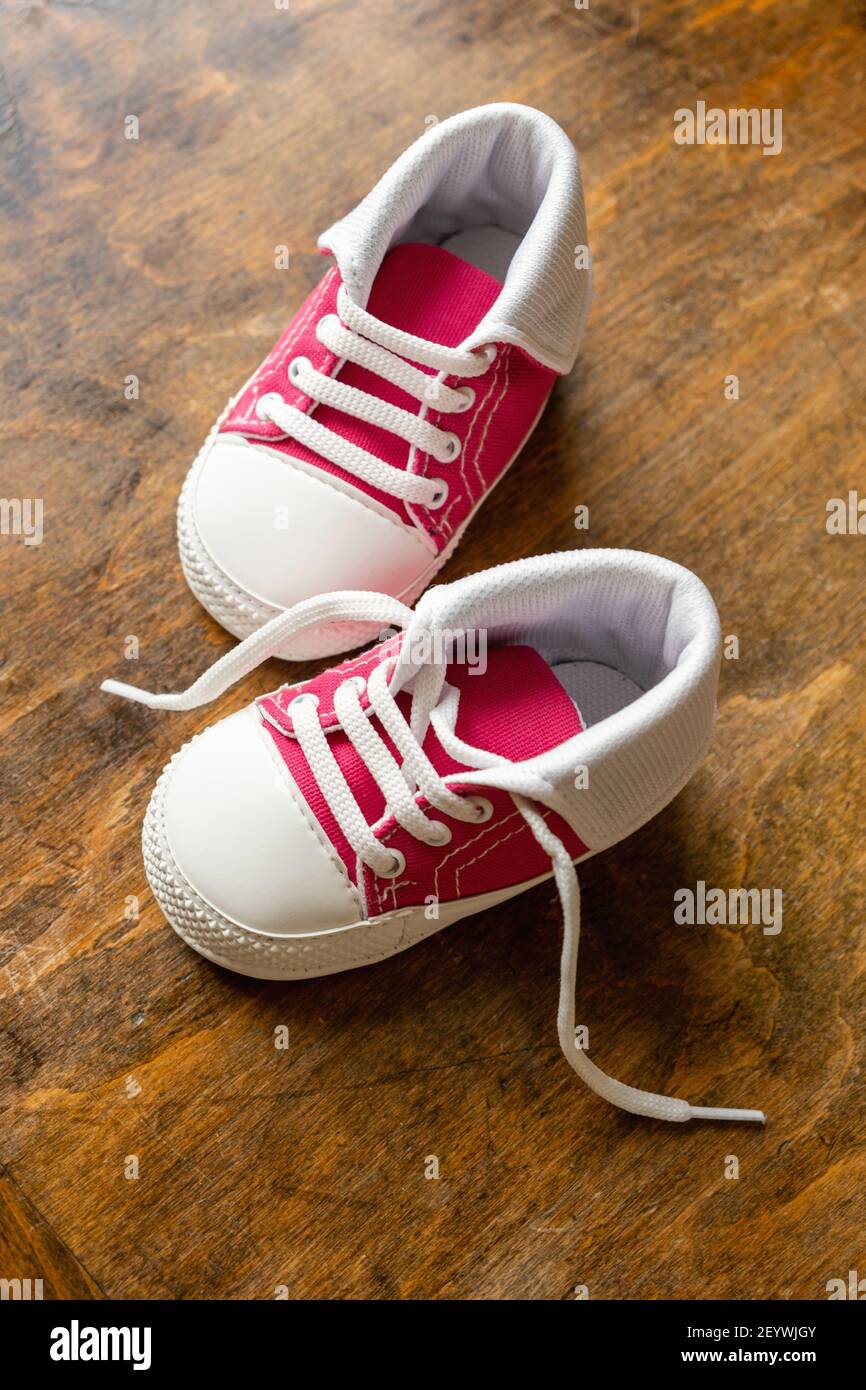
x,y
305,1167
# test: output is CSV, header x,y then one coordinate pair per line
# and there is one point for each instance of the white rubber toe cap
x,y
282,532
244,839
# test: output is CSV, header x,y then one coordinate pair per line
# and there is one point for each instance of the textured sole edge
x,y
268,957
207,931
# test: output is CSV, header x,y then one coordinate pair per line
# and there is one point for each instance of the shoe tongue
x,y
431,293
515,707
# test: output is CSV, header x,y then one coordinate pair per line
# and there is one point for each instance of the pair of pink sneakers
x,y
516,721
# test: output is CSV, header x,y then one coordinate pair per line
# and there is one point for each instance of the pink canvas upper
x,y
516,708
426,291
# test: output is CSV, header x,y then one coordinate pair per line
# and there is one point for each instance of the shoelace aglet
x,y
141,697
710,1112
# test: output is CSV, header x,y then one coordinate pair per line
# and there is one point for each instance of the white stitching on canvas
x,y
476,416
496,404
487,849
501,397
391,887
439,523
249,416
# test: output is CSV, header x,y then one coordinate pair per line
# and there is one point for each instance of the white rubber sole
x,y
269,957
241,613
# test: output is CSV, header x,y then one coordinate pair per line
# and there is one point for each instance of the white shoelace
x,y
401,782
354,335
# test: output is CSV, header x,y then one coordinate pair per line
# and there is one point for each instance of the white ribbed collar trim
x,y
464,167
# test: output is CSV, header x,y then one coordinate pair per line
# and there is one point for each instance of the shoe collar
x,y
502,162
641,614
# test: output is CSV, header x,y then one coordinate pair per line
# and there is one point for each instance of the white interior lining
x,y
505,166
646,617
639,614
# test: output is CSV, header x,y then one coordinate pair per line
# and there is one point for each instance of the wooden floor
x,y
303,1170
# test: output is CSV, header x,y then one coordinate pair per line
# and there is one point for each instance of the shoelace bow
x,y
354,335
433,702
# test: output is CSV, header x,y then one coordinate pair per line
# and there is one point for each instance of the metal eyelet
x,y
483,807
451,448
327,318
304,698
358,682
468,396
262,404
488,353
399,864
444,835
295,366
441,495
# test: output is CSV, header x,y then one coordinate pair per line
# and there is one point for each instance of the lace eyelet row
x,y
453,443
485,810
440,497
445,834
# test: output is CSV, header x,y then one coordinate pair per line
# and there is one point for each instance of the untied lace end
x,y
142,697
629,1098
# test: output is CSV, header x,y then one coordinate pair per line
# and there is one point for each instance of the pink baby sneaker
x,y
404,387
523,719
